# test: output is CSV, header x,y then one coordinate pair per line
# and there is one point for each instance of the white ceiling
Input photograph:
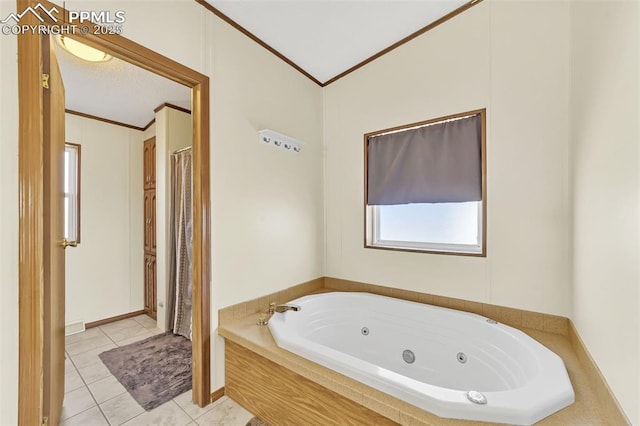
x,y
327,37
117,90
323,37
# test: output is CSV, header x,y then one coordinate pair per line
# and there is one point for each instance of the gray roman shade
x,y
438,163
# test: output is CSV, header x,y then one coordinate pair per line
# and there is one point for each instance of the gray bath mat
x,y
255,422
153,370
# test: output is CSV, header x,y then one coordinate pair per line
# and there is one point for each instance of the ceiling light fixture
x,y
82,51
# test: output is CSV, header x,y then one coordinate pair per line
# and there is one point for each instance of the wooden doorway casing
x,y
31,204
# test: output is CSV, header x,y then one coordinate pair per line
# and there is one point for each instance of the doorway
x,y
33,282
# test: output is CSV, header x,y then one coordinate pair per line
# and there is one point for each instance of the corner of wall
x,y
605,160
324,185
163,200
136,213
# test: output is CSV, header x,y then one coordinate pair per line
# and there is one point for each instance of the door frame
x,y
31,204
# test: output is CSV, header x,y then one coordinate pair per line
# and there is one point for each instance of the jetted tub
x,y
453,364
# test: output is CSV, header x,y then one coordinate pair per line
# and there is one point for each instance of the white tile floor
x,y
94,397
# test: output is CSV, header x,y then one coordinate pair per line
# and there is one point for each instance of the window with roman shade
x,y
425,187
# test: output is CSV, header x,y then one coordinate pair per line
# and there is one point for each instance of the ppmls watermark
x,y
79,22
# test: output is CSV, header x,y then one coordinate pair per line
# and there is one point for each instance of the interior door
x,y
53,170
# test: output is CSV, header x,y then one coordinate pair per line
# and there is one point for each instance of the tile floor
x,y
93,396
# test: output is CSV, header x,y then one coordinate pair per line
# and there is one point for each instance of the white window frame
x,y
373,237
72,222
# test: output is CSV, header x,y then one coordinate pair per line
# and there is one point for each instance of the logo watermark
x,y
78,22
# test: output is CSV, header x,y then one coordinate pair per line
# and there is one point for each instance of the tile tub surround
x,y
595,404
261,304
514,317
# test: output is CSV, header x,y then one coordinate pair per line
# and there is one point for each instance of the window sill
x,y
390,247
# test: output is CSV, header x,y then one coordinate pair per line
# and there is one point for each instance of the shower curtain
x,y
180,284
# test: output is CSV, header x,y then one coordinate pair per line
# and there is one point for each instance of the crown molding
x,y
359,65
104,120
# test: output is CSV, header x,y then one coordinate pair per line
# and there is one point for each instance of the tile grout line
x,y
125,328
83,380
85,341
86,385
76,415
191,419
131,418
214,405
183,410
145,328
110,375
109,337
89,391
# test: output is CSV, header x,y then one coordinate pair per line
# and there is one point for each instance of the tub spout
x,y
287,307
264,318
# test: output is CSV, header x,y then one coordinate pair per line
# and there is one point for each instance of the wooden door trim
x,y
31,226
31,203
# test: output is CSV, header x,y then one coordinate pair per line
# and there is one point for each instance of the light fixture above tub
x,y
81,50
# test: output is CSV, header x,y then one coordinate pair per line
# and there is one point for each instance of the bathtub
x,y
451,363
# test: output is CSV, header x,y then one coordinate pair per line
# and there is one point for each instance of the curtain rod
x,y
182,149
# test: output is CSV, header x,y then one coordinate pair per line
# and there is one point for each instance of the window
x,y
425,186
72,192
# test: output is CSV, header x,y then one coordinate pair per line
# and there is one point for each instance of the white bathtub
x,y
365,336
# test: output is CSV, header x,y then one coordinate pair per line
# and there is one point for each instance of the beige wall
x,y
512,58
173,131
267,205
267,209
269,227
606,191
104,274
